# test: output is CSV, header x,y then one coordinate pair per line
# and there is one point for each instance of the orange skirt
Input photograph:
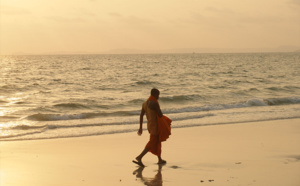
x,y
154,145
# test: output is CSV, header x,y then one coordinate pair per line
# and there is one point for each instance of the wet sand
x,y
256,153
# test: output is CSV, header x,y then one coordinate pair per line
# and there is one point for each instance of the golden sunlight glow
x,y
97,26
2,113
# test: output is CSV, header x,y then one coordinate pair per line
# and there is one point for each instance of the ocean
x,y
61,96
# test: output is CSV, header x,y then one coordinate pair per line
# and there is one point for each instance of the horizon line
x,y
289,49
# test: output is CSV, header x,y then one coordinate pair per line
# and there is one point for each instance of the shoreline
x,y
145,130
253,153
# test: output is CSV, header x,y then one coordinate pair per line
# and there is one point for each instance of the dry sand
x,y
257,153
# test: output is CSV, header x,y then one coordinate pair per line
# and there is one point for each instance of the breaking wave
x,y
250,103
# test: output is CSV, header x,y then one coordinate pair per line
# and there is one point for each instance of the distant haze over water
x,y
289,49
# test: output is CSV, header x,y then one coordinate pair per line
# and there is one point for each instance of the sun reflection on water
x,y
2,112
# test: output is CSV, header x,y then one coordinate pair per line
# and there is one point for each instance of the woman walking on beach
x,y
158,126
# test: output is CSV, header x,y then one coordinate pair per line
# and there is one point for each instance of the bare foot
x,y
139,162
161,162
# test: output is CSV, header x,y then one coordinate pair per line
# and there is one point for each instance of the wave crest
x,y
70,105
53,117
250,103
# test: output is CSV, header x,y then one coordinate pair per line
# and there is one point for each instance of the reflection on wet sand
x,y
156,181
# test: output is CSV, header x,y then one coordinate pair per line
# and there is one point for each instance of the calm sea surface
x,y
44,97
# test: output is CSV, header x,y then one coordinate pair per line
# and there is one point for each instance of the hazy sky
x,y
49,26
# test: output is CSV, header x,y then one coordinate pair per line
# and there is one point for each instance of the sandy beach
x,y
256,153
